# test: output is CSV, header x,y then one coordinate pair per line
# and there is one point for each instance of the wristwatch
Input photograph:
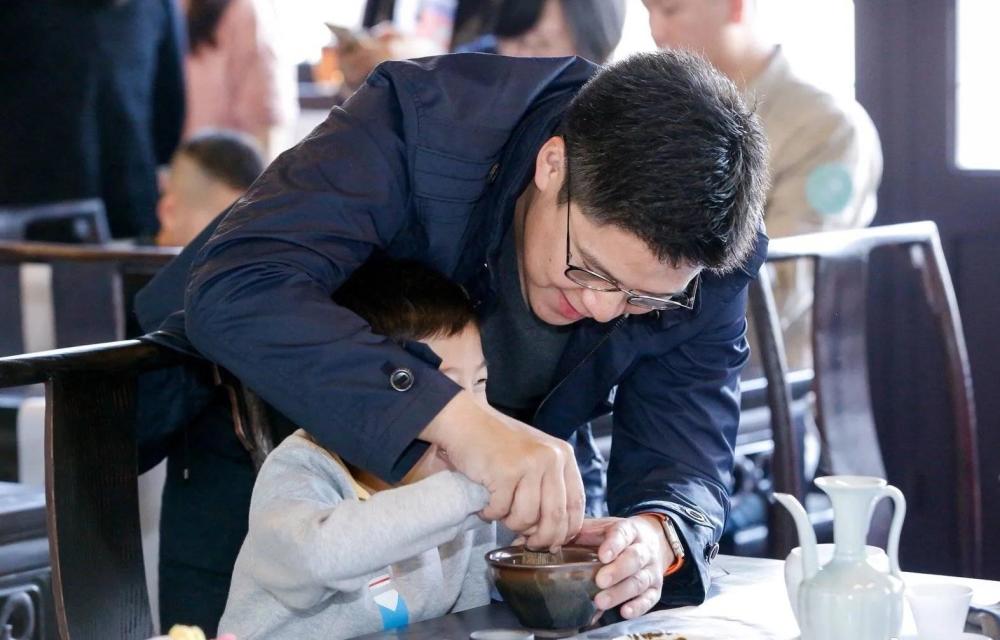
x,y
673,541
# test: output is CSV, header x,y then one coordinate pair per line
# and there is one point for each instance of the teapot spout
x,y
807,537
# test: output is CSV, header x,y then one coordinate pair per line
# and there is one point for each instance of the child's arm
x,y
476,586
306,541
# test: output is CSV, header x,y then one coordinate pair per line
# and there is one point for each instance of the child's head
x,y
207,173
405,300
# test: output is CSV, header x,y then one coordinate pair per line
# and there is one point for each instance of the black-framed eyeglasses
x,y
597,282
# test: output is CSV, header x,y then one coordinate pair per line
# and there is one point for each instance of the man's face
x,y
606,250
696,26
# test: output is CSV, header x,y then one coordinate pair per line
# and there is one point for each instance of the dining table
x,y
747,601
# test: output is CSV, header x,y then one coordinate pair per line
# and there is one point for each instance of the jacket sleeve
x,y
258,299
676,418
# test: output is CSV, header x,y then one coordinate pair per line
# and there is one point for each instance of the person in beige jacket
x,y
825,158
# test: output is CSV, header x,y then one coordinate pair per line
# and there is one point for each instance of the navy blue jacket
x,y
425,162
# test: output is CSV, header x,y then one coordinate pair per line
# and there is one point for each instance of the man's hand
x,y
635,554
534,484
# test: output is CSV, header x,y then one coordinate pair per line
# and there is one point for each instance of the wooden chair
x,y
90,289
786,459
73,221
840,353
92,508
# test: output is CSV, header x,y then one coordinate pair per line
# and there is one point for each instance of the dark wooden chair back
x,y
91,289
786,461
92,502
74,221
840,354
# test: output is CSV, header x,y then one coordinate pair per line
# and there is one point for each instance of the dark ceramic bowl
x,y
552,599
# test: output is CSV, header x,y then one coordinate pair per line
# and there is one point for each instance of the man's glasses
x,y
597,282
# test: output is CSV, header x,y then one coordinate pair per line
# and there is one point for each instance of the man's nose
x,y
603,306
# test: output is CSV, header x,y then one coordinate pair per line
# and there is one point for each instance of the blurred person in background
x,y
208,173
551,28
521,28
825,157
236,78
92,103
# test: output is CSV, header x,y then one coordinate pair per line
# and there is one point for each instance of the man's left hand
x,y
635,554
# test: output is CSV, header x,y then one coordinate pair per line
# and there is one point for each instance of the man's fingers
x,y
500,502
638,606
575,498
593,532
632,587
622,534
526,504
553,519
633,560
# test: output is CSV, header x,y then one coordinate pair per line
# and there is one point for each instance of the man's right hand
x,y
534,484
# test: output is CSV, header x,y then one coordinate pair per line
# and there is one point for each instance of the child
x,y
207,174
334,552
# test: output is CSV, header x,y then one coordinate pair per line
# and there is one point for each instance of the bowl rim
x,y
552,565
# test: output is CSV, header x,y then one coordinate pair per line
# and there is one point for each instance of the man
x,y
207,174
825,159
607,232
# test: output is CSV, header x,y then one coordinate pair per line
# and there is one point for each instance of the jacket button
x,y
401,379
711,551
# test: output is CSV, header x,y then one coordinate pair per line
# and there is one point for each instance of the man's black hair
x,y
662,146
405,300
227,156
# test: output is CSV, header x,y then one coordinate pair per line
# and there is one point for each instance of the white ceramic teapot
x,y
848,598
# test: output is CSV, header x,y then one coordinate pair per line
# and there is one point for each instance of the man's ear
x,y
550,164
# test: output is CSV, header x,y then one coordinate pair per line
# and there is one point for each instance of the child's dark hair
x,y
406,300
230,157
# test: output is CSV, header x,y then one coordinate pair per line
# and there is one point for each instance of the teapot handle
x,y
896,528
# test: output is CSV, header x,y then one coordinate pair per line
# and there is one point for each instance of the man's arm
x,y
258,303
258,299
676,418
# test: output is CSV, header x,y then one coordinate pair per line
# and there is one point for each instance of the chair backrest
x,y
840,353
73,221
90,288
92,504
786,462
